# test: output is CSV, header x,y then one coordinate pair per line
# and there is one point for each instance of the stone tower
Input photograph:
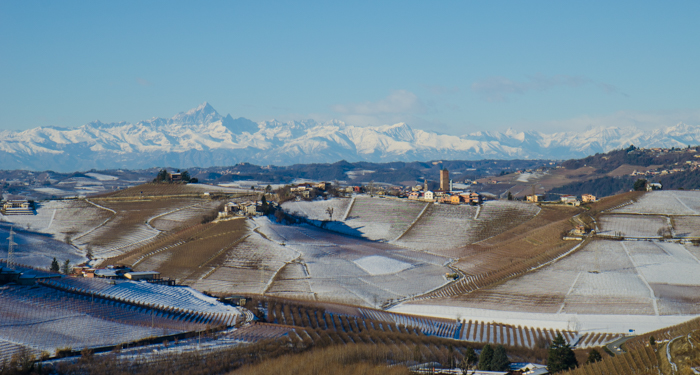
x,y
444,180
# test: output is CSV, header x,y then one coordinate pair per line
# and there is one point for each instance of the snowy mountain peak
x,y
202,137
400,132
204,113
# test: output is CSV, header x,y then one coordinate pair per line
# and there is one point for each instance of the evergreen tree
x,y
640,185
469,360
54,265
561,357
594,356
510,196
264,206
66,268
486,358
162,176
186,176
500,361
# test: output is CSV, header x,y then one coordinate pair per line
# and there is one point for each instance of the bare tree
x,y
329,211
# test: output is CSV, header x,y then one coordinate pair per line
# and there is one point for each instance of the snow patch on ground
x,y
101,177
379,265
53,191
524,177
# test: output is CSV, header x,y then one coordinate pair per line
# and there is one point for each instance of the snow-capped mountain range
x,y
201,137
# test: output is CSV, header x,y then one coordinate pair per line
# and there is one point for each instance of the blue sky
x,y
454,67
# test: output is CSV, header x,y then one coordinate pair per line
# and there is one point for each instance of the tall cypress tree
x,y
561,357
486,358
55,267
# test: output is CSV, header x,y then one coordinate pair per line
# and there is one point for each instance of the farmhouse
x,y
323,185
231,208
429,196
444,198
588,198
475,198
175,177
580,230
249,208
653,186
570,199
534,198
414,195
17,207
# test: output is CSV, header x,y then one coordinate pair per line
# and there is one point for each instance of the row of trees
x,y
490,359
561,357
64,268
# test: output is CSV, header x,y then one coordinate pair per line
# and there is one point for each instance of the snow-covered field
x,y
687,226
249,267
78,313
604,277
586,323
379,265
641,226
187,215
665,202
417,225
441,226
45,319
184,298
129,227
445,226
383,218
38,250
333,267
316,210
61,217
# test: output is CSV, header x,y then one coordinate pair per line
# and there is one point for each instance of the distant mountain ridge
x,y
202,137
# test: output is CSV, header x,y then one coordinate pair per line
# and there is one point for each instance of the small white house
x,y
429,196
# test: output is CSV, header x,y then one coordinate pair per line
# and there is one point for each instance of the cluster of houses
x,y
564,199
690,165
448,197
445,194
309,190
247,208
